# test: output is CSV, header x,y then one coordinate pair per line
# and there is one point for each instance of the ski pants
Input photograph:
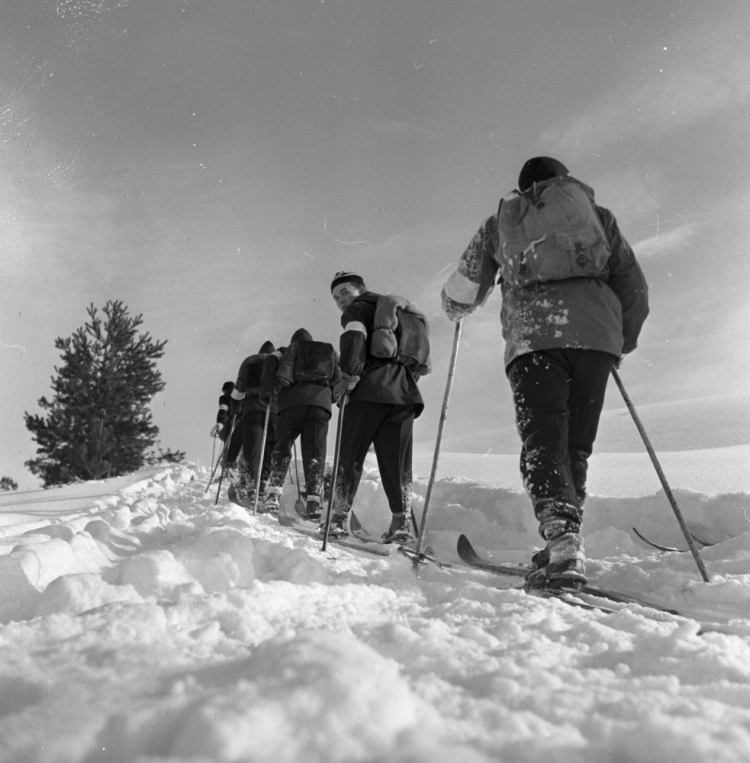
x,y
252,440
311,423
558,396
235,444
389,427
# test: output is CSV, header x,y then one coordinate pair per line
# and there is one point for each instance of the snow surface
x,y
142,622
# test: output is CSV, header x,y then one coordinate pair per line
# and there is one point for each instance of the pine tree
x,y
98,423
8,483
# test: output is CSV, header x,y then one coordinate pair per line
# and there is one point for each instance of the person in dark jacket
x,y
383,400
302,378
223,427
251,415
562,339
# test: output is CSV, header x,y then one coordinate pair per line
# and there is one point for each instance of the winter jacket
x,y
281,370
247,388
222,415
381,381
604,314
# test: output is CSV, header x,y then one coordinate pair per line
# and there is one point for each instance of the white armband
x,y
460,289
356,326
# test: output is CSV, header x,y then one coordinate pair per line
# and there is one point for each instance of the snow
x,y
140,621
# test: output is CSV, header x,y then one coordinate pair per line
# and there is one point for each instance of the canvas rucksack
x,y
551,232
315,362
254,374
401,333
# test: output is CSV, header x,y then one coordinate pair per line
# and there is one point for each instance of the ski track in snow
x,y
142,623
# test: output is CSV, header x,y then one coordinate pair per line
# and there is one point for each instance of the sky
x,y
141,622
213,164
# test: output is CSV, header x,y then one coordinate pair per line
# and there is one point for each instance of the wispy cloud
x,y
667,242
696,74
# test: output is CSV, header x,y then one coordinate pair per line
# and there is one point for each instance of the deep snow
x,y
141,622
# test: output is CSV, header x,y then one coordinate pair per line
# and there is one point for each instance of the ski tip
x,y
464,545
655,545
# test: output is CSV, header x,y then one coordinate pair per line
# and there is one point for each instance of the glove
x,y
268,397
215,431
345,385
455,311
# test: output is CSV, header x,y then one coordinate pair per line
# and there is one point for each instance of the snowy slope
x,y
140,622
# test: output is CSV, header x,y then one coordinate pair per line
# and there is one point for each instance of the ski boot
x,y
400,529
565,569
312,508
339,527
271,500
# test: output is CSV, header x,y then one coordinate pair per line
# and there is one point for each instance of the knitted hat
x,y
227,387
344,277
540,168
266,348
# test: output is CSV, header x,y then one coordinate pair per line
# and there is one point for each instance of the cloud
x,y
671,241
695,75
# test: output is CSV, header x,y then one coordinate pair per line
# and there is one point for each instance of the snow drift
x,y
141,622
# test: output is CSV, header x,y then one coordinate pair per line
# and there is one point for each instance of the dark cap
x,y
266,348
227,387
344,277
538,169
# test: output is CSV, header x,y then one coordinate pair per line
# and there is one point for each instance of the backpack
x,y
315,362
254,374
401,334
551,232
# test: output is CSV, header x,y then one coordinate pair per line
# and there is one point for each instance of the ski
x,y
295,522
670,548
571,598
428,555
468,554
356,529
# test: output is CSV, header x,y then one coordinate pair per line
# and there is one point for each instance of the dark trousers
x,y
389,428
558,396
311,423
252,440
235,443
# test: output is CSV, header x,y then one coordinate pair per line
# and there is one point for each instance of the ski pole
x,y
213,451
260,460
299,504
418,556
224,450
296,470
662,477
337,448
213,468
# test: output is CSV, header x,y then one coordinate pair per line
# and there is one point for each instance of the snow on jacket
x,y
381,381
604,314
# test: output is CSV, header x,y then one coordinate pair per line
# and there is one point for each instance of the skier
x,y
223,427
569,312
383,401
302,378
251,412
